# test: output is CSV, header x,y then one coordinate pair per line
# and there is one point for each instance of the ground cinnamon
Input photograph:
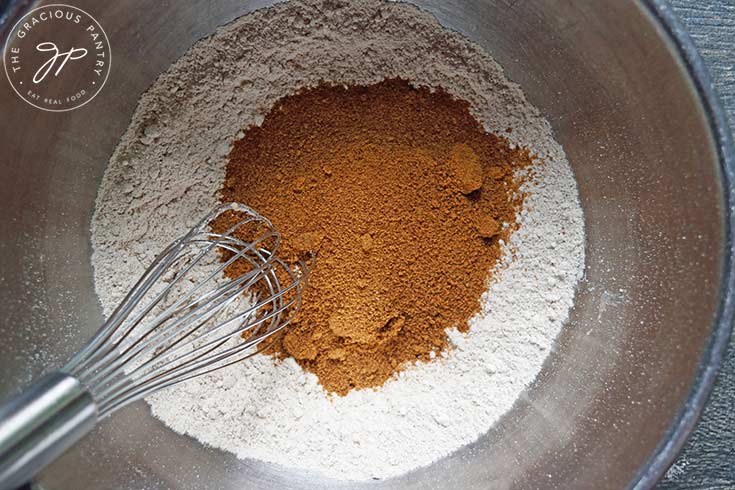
x,y
401,197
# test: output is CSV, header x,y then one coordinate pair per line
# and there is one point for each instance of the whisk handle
x,y
40,424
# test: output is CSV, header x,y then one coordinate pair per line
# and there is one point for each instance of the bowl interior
x,y
626,113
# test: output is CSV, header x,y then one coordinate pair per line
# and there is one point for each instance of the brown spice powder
x,y
400,195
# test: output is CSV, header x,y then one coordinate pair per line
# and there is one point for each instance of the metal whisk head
x,y
212,298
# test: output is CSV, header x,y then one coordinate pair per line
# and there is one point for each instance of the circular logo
x,y
57,57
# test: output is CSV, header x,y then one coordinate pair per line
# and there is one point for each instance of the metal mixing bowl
x,y
629,100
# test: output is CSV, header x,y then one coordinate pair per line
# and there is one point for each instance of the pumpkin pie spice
x,y
398,197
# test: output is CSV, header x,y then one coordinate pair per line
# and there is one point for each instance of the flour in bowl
x,y
169,166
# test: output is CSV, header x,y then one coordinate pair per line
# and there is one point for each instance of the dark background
x,y
708,460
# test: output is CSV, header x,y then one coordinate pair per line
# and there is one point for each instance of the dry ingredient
x,y
170,165
400,194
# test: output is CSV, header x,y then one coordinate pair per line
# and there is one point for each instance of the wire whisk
x,y
212,298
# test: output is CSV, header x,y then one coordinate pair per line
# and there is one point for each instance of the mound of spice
x,y
399,198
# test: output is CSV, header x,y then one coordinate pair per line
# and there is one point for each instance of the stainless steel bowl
x,y
631,104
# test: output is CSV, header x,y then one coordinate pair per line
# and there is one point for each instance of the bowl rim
x,y
682,46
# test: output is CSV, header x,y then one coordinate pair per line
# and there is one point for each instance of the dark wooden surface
x,y
708,460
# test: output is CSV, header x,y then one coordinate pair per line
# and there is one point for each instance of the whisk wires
x,y
210,299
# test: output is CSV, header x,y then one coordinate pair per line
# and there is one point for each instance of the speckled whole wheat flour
x,y
170,163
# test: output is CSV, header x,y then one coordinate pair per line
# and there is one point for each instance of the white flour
x,y
170,163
